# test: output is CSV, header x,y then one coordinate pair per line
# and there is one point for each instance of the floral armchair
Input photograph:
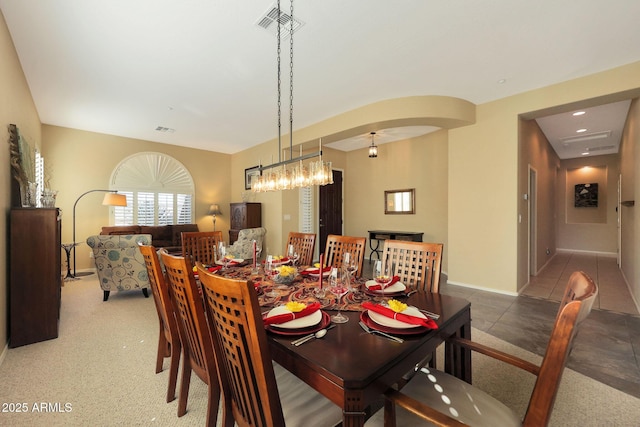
x,y
243,248
119,263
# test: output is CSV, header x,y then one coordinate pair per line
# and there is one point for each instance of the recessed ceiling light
x,y
502,81
585,154
578,113
581,130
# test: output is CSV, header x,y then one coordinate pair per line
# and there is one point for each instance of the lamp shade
x,y
114,199
214,210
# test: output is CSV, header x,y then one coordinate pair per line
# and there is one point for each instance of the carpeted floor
x,y
100,371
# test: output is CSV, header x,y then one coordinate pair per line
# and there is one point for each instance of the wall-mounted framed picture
x,y
586,196
250,174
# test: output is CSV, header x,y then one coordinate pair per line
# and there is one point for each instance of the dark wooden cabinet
x,y
244,215
35,284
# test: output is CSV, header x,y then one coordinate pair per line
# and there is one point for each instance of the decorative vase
x,y
48,199
28,194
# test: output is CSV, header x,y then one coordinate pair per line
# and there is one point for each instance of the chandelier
x,y
291,173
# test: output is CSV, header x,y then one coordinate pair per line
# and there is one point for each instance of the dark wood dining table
x,y
353,368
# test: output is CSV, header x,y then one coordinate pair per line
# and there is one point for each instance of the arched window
x,y
159,191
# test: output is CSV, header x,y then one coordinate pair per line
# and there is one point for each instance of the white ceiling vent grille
x,y
588,137
270,18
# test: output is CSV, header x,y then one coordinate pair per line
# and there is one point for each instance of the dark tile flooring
x,y
607,347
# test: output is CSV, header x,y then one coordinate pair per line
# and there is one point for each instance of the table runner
x,y
303,290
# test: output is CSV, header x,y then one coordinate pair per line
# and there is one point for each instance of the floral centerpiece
x,y
285,274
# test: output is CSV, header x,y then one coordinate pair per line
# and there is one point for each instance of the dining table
x,y
349,366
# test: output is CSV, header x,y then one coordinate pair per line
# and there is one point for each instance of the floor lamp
x,y
110,199
214,210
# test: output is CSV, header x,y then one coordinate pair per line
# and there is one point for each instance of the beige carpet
x,y
100,372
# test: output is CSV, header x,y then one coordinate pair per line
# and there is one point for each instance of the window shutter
x,y
123,215
146,209
184,209
306,210
165,208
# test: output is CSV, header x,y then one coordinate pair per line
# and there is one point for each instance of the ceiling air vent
x,y
587,137
270,18
165,129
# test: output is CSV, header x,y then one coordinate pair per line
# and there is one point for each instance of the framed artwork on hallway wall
x,y
586,195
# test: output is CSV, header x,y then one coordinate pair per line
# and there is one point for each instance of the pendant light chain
x,y
291,83
279,88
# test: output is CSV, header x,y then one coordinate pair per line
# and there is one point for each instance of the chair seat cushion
x,y
301,404
455,398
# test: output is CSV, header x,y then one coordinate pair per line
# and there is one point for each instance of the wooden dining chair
x,y
304,244
257,392
201,246
197,349
424,394
169,338
416,263
337,246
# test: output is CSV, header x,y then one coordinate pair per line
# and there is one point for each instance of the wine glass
x,y
293,255
268,272
383,273
351,265
339,287
224,253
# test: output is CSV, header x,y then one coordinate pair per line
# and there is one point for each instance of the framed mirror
x,y
400,201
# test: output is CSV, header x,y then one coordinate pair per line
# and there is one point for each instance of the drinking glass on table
x,y
268,273
293,255
382,274
224,252
339,287
350,264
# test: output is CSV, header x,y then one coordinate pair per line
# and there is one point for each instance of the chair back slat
x,y
337,246
304,244
201,246
417,264
580,294
244,368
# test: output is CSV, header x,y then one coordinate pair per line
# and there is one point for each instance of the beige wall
x,y
630,216
16,107
84,161
588,229
484,231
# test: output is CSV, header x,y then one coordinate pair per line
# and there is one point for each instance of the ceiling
x,y
204,73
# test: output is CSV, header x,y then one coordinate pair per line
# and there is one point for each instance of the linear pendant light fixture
x,y
277,176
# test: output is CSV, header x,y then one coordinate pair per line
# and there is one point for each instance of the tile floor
x,y
607,347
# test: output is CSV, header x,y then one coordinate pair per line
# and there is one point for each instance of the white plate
x,y
236,260
303,322
383,320
324,274
396,287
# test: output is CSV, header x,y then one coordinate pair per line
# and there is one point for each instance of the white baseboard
x,y
578,251
481,288
633,297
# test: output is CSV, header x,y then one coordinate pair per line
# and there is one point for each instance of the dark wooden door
x,y
330,211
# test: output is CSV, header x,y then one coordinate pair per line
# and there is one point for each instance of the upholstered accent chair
x,y
119,263
242,248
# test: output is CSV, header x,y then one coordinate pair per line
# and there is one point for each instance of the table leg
x,y
353,414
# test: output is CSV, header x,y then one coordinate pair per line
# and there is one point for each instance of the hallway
x,y
613,294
